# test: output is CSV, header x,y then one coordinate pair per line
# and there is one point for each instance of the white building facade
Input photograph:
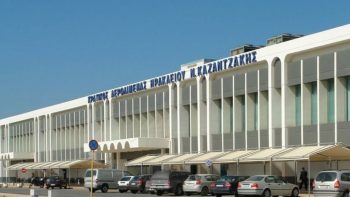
x,y
290,94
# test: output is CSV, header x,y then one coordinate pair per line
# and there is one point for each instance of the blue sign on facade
x,y
93,144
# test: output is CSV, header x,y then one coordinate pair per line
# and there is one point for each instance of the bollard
x,y
53,193
34,193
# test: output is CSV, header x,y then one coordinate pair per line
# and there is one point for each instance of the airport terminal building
x,y
266,109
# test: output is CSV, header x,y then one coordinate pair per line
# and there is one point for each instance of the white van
x,y
103,179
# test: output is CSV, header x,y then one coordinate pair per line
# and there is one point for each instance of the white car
x,y
123,183
267,185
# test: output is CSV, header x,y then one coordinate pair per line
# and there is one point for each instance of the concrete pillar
x,y
199,102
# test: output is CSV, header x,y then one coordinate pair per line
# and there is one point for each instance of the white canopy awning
x,y
264,155
180,159
158,160
315,153
139,161
234,156
205,157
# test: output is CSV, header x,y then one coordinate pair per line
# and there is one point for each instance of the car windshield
x,y
88,173
326,176
125,178
136,178
161,175
255,178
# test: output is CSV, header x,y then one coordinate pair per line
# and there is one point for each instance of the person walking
x,y
303,178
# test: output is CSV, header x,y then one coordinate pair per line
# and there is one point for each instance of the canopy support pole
x,y
141,168
295,172
237,167
309,175
271,165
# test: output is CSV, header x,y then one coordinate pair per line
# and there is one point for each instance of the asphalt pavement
x,y
78,192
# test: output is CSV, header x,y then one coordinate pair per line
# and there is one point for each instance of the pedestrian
x,y
303,178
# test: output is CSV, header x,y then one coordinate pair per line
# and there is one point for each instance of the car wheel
x,y
178,190
159,193
267,193
133,191
295,192
121,191
204,191
104,188
346,194
187,193
218,195
47,187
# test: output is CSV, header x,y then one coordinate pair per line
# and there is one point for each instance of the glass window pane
x,y
297,105
330,110
314,103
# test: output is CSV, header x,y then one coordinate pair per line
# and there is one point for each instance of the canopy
x,y
180,159
264,155
139,161
158,160
205,157
83,164
18,166
316,153
233,156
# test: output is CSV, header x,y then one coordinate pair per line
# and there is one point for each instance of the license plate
x,y
219,185
52,184
133,183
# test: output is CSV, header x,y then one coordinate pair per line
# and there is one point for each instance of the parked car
x,y
148,187
38,181
168,182
123,183
199,183
56,181
138,184
226,185
103,179
332,183
267,185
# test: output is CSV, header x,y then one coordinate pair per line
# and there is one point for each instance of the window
x,y
330,101
314,103
297,105
255,111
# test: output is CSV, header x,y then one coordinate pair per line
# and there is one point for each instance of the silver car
x,y
123,183
199,183
332,183
267,185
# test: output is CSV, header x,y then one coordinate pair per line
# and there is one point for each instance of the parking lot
x,y
77,192
74,192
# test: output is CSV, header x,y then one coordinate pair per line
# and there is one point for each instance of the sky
x,y
56,51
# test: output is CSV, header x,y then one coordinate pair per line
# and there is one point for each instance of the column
x,y
302,101
208,95
88,121
336,83
104,138
283,100
110,118
318,100
199,102
93,120
171,151
179,103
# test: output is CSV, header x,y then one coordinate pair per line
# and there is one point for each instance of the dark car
x,y
37,181
168,182
56,181
226,185
138,184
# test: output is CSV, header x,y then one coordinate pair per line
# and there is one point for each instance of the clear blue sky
x,y
55,51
